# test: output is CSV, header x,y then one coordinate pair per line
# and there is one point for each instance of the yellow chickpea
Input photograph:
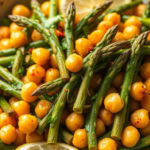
x,y
21,138
138,91
104,25
5,44
4,32
64,115
12,100
119,37
15,27
111,90
133,20
106,116
130,136
145,71
134,105
8,134
146,130
74,121
145,104
35,73
53,61
6,120
25,79
100,127
131,31
42,108
27,123
34,137
45,8
113,102
74,63
139,10
80,138
36,36
21,108
21,10
107,143
96,36
27,91
82,46
18,38
112,17
140,118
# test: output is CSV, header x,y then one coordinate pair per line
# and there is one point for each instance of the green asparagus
x,y
8,52
7,61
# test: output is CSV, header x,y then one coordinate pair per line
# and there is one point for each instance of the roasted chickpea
x,y
21,108
96,36
27,123
134,105
25,79
36,36
140,118
64,115
21,138
111,90
27,91
15,27
74,121
113,102
18,38
34,137
35,73
130,136
6,120
121,27
45,8
5,44
145,104
139,10
112,17
80,138
53,61
104,25
119,37
100,127
146,130
83,46
21,10
147,83
42,108
106,116
8,134
138,91
4,32
133,20
131,31
74,63
145,71
107,143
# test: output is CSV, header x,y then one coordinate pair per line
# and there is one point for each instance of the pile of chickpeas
x,y
21,128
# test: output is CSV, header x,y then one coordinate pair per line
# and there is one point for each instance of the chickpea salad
x,y
75,82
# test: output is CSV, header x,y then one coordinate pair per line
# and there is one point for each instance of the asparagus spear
x,y
6,107
53,8
91,17
69,22
7,61
147,11
8,52
135,54
51,40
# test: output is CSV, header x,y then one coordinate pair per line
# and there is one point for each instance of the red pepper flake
x,y
32,74
30,50
111,63
60,33
89,49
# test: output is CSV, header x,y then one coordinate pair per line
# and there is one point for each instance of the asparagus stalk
x,y
7,147
128,79
50,38
8,52
7,61
147,11
69,22
6,107
91,118
53,8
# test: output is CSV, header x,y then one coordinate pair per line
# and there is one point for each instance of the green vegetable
x,y
8,52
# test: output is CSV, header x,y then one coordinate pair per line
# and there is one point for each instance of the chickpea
x,y
131,31
146,130
21,10
130,136
18,38
45,8
80,138
134,105
21,108
145,104
138,91
21,138
133,20
140,118
145,71
111,90
64,115
112,17
113,102
74,121
121,27
27,123
8,134
74,63
106,116
107,143
100,127
46,134
53,61
104,25
6,120
35,73
15,27
36,35
27,91
147,58
4,32
34,137
54,92
139,10
96,36
25,79
119,37
95,81
82,46
5,44
42,108
1,110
